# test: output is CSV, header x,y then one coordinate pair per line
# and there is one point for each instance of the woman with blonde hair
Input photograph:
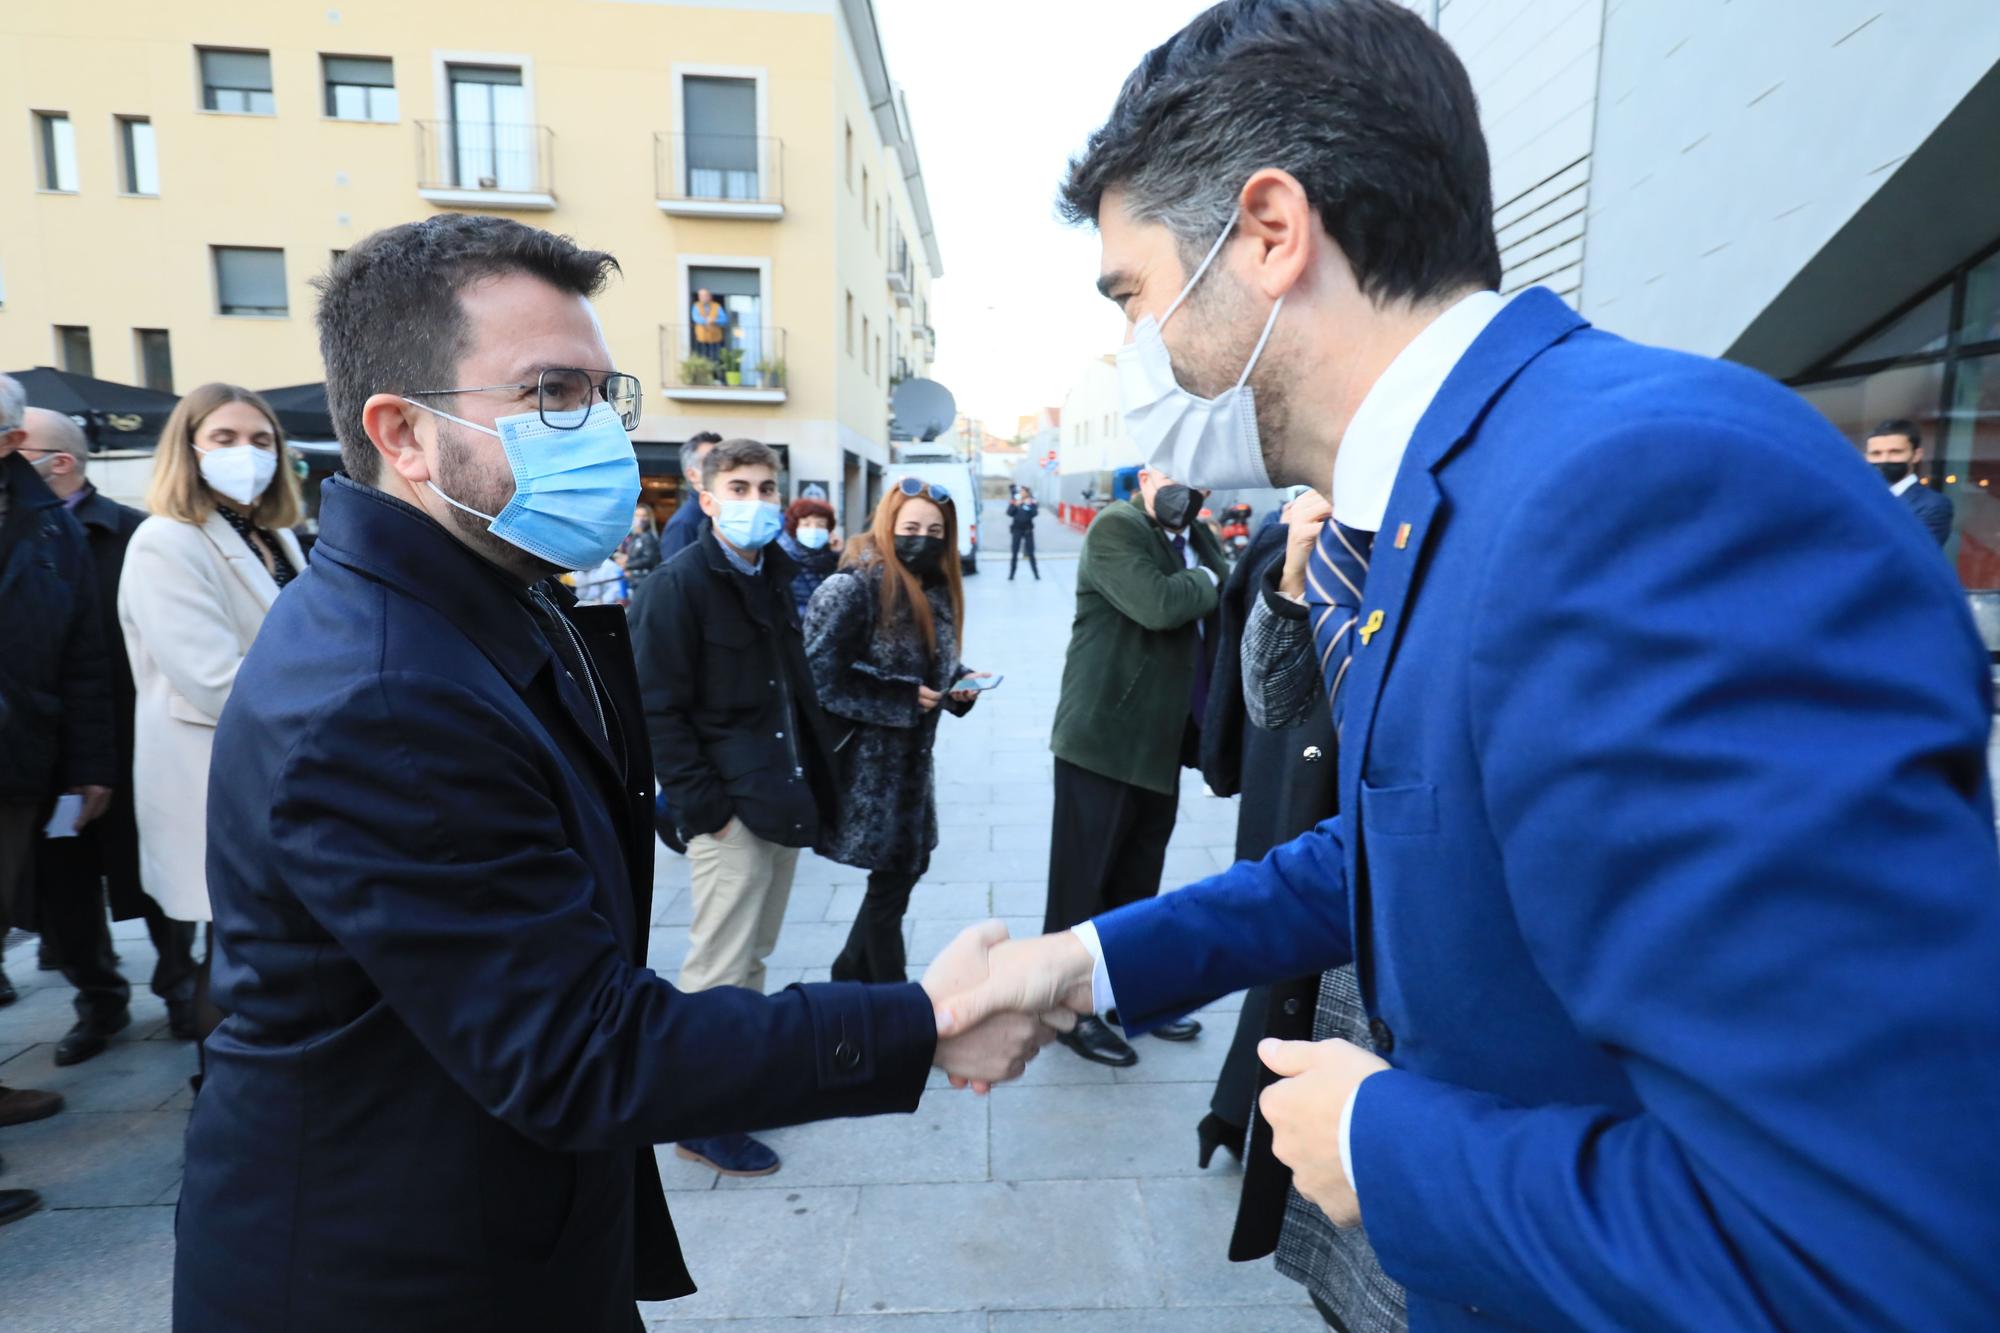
x,y
199,577
883,636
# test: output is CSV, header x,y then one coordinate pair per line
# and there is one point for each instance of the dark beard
x,y
460,476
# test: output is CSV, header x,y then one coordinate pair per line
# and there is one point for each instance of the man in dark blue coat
x,y
433,1102
1896,449
1665,854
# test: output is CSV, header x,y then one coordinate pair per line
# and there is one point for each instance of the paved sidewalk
x,y
1069,1201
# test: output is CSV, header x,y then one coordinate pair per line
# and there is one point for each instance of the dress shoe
x,y
17,1204
20,1105
45,958
1215,1132
7,992
90,1036
1095,1041
729,1154
1181,1029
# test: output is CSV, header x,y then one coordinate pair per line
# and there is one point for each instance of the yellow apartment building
x,y
178,173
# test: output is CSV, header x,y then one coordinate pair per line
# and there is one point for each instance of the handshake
x,y
999,1000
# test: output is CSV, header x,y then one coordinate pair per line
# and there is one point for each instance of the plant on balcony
x,y
771,373
732,365
697,371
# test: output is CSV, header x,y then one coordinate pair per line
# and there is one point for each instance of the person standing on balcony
x,y
711,324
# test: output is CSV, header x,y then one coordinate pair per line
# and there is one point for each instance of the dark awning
x,y
302,411
114,416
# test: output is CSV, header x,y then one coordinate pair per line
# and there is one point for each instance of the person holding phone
x,y
883,636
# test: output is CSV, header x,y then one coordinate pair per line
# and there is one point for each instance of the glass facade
x,y
1935,362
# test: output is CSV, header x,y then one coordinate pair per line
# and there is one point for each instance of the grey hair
x,y
58,432
13,402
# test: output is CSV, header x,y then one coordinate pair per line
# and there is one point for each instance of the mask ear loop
x,y
1258,351
1213,251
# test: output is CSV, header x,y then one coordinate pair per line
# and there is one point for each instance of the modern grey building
x,y
1811,187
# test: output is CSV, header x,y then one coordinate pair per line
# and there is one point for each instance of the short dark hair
x,y
1358,99
1900,426
389,314
732,455
699,438
805,509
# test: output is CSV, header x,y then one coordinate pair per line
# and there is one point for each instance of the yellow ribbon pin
x,y
1402,536
1374,623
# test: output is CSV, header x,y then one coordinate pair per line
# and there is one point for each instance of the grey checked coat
x,y
867,679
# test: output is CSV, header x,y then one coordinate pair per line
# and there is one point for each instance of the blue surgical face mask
x,y
749,525
574,490
813,538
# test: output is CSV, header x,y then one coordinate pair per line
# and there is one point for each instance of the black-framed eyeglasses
x,y
912,486
564,396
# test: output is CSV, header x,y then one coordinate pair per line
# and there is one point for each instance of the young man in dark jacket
x,y
739,743
1135,686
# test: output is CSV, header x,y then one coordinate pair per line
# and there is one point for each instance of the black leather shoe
x,y
1183,1029
1095,1041
17,1204
7,992
180,1020
89,1037
1214,1132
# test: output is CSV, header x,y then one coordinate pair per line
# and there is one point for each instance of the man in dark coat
x,y
72,875
1134,689
1896,449
432,1104
685,526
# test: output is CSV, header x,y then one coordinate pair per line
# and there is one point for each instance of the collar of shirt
x,y
1364,470
78,496
1900,487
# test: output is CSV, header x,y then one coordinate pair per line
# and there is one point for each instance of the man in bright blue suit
x,y
1666,852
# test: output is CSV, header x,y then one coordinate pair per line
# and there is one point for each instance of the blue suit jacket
x,y
1934,511
433,1103
1668,861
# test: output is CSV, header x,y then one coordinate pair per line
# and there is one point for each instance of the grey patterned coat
x,y
867,679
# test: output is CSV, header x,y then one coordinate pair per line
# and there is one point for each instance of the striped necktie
x,y
1335,576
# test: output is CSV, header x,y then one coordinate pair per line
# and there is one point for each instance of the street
x,y
1069,1201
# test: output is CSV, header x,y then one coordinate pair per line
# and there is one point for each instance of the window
x,y
250,281
721,120
155,357
359,87
849,168
493,145
878,360
748,348
57,138
878,229
864,345
850,323
73,348
238,81
141,164
864,196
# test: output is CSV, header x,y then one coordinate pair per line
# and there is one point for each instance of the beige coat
x,y
191,601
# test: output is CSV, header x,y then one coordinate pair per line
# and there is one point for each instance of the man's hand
x,y
997,1048
1309,514
1304,1108
1049,976
96,800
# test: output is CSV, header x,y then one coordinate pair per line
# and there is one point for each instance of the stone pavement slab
x,y
92,1270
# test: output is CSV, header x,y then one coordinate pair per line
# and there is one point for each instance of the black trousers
x,y
1107,846
76,927
1024,541
874,951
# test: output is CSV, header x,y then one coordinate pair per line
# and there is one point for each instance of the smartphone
x,y
988,683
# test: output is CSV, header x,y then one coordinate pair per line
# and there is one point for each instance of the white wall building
x,y
1092,443
1812,188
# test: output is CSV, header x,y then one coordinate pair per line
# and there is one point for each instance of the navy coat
x,y
433,1104
1666,859
1933,510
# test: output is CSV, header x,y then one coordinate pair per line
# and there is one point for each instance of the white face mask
x,y
1210,443
241,472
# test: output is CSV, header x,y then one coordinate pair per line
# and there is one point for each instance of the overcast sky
x,y
1000,96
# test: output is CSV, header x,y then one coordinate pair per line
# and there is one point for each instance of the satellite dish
x,y
922,409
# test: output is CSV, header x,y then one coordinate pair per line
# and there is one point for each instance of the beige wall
x,y
601,77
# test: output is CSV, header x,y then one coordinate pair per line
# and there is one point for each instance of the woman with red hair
x,y
813,545
883,636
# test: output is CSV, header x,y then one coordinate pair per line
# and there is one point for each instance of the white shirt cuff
x,y
1214,579
1347,1138
1100,978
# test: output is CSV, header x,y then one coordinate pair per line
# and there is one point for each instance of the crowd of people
x,y
1617,894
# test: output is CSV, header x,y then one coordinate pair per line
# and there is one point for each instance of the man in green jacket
x,y
1134,689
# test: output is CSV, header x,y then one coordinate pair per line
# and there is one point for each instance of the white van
x,y
961,484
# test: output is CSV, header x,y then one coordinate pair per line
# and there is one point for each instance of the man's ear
x,y
710,505
391,424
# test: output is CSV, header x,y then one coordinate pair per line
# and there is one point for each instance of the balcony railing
x,y
902,274
748,365
486,164
719,175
